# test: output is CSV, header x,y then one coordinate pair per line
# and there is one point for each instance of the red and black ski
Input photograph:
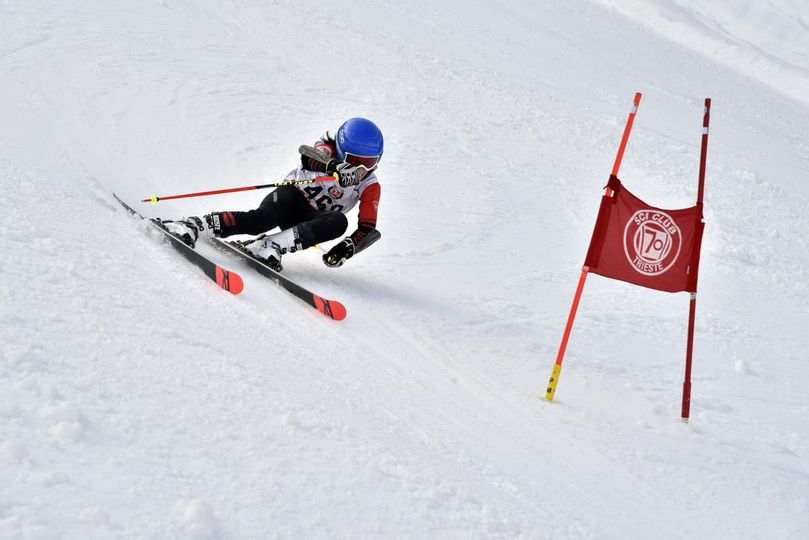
x,y
330,308
228,280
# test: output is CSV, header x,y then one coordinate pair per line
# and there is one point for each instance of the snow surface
x,y
137,400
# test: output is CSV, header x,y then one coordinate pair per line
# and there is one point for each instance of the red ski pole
x,y
154,198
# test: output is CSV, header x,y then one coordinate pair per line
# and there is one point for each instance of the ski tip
x,y
230,281
330,308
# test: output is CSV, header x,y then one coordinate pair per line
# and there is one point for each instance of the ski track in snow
x,y
140,401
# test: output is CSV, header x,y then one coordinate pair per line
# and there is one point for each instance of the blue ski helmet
x,y
359,142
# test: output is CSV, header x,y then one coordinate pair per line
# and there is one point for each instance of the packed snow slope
x,y
138,400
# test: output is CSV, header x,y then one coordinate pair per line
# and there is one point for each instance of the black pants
x,y
286,207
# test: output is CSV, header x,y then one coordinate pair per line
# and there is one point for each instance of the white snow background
x,y
138,400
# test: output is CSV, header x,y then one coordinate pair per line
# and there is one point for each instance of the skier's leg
x,y
276,208
300,231
317,227
282,205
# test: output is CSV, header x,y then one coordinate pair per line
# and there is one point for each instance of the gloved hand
x,y
349,175
340,253
314,159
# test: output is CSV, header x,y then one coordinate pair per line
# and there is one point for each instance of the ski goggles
x,y
369,162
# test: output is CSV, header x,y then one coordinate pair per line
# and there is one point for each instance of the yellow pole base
x,y
557,368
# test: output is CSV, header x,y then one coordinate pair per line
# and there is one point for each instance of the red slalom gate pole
x,y
692,307
154,199
625,137
557,367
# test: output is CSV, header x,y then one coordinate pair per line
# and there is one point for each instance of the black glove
x,y
349,175
340,253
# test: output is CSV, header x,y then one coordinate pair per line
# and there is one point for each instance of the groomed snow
x,y
138,400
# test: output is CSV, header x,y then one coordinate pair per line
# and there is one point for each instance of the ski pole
x,y
154,198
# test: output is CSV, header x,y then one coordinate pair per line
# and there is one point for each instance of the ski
x,y
230,281
329,308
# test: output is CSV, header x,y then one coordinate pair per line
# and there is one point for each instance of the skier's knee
x,y
339,223
325,227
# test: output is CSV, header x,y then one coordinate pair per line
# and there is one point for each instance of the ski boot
x,y
269,248
192,228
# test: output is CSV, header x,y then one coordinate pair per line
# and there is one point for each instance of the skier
x,y
309,214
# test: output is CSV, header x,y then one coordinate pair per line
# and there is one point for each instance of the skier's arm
x,y
320,158
369,206
366,233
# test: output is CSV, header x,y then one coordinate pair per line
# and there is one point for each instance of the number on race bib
x,y
324,201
